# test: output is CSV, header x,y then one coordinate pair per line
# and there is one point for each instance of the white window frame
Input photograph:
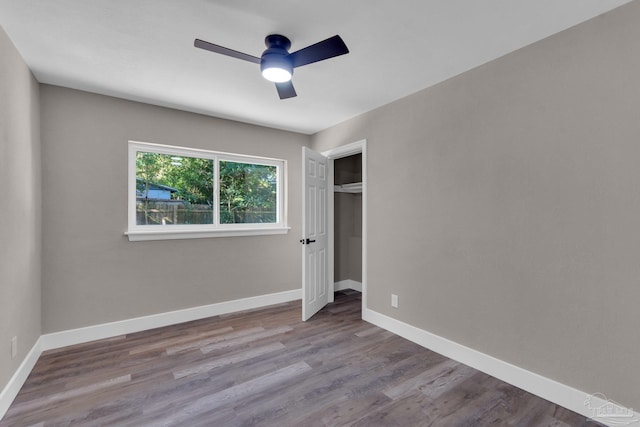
x,y
137,232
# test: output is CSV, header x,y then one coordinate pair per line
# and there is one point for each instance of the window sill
x,y
135,236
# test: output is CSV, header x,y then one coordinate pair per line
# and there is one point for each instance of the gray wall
x,y
92,274
348,237
20,213
524,177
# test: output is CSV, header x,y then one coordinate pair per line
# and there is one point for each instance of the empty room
x,y
362,213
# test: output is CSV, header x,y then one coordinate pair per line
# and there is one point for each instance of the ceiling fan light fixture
x,y
276,75
276,68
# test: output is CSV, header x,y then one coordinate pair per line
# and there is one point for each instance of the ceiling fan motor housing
x,y
276,54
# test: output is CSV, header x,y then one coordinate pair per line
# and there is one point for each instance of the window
x,y
177,193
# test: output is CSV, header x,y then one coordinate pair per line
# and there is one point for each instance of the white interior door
x,y
315,283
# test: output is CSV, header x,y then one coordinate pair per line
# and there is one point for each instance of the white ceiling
x,y
143,49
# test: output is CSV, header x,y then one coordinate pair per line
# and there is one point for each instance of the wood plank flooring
x,y
267,368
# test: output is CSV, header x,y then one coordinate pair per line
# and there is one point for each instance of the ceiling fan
x,y
277,64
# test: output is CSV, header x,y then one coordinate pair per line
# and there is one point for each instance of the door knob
x,y
306,241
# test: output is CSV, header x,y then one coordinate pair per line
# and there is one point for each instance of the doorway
x,y
348,184
319,218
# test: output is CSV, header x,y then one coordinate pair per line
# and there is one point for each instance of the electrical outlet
x,y
14,347
394,300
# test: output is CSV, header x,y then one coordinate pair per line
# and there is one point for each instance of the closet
x,y
348,222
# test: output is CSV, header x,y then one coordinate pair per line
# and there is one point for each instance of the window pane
x,y
173,189
248,193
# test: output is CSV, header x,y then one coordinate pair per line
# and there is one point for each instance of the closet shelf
x,y
354,187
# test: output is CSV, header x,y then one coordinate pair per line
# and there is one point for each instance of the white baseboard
x,y
347,284
19,377
113,329
108,330
591,406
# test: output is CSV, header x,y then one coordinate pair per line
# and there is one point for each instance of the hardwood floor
x,y
267,368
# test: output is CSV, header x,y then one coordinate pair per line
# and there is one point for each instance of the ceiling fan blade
x,y
225,51
333,46
286,90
